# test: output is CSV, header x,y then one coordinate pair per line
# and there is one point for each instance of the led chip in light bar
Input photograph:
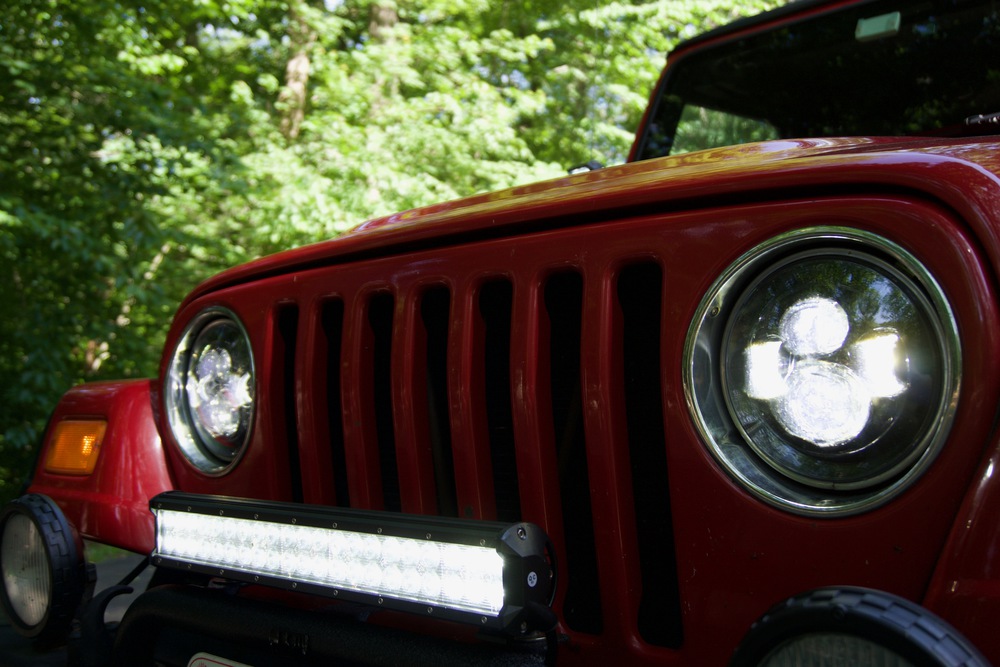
x,y
489,573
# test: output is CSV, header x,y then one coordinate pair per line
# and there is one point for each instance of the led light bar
x,y
492,574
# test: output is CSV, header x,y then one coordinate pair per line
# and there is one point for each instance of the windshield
x,y
884,68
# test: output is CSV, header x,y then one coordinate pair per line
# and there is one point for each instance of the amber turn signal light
x,y
75,446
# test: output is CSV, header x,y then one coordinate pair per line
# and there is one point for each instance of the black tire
x,y
904,628
66,567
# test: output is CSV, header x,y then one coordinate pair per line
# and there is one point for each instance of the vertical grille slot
x,y
287,325
435,310
380,317
564,306
332,324
495,303
639,291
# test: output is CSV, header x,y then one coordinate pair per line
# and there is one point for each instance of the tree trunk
x,y
380,28
293,95
383,18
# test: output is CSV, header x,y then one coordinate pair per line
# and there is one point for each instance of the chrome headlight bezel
x,y
211,453
765,470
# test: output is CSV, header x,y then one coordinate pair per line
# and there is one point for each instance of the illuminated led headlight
x,y
823,370
490,574
210,389
41,560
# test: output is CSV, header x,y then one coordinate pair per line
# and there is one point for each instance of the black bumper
x,y
169,624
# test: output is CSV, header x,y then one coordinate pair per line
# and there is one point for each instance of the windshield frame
x,y
785,17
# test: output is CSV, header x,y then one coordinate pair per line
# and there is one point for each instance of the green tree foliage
x,y
147,144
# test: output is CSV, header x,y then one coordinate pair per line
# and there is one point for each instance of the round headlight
x,y
42,565
210,390
823,370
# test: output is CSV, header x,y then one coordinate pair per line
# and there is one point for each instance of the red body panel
x,y
112,504
966,586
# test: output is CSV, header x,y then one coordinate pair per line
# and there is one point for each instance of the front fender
x,y
111,505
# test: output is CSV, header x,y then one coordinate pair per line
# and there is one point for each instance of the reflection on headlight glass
x,y
830,357
827,403
876,360
219,387
814,326
217,392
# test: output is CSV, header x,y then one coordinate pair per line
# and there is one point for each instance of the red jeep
x,y
733,402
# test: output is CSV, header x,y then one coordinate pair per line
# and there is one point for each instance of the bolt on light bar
x,y
493,574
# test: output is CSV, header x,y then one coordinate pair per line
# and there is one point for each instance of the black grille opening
x,y
287,323
495,304
640,290
380,317
332,323
564,307
435,310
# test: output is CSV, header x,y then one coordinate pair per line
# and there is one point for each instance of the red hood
x,y
713,177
